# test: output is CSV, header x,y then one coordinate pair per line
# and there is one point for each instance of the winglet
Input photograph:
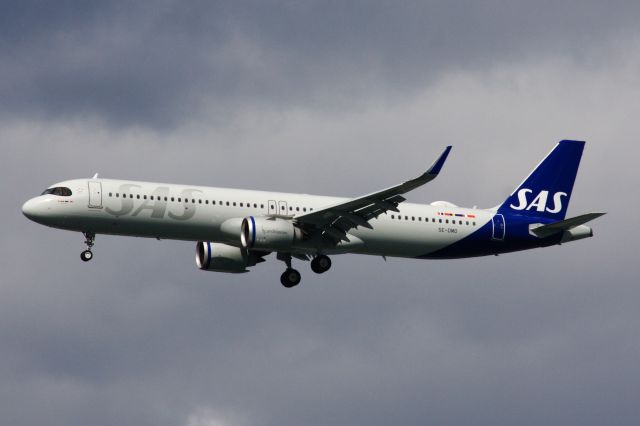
x,y
435,167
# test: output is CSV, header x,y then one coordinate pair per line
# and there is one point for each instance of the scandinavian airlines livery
x,y
235,229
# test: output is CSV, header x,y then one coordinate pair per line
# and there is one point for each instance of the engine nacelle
x,y
224,258
269,233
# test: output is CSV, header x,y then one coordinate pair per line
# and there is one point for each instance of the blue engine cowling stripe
x,y
253,231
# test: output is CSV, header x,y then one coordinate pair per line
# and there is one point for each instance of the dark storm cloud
x,y
140,336
159,64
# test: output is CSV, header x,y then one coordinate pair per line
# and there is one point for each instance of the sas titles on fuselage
x,y
158,202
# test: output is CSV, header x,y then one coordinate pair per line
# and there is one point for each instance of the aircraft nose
x,y
30,209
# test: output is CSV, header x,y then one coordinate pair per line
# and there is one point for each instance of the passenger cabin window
x,y
59,190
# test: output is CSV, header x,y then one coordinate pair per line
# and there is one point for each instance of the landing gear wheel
x,y
320,264
89,240
86,255
290,278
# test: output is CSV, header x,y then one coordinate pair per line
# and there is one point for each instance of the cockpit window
x,y
59,190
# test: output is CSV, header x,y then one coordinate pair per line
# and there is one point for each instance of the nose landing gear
x,y
90,238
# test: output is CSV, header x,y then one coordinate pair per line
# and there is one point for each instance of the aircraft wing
x,y
333,223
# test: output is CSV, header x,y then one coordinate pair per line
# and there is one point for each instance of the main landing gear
x,y
320,264
90,238
291,277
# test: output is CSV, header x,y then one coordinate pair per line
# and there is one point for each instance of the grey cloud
x,y
141,337
159,65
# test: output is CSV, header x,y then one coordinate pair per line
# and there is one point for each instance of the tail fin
x,y
547,190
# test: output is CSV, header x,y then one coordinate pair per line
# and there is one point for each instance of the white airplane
x,y
235,229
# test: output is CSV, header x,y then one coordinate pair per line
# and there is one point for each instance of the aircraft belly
x,y
196,228
410,239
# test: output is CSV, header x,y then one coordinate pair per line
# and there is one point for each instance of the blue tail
x,y
546,191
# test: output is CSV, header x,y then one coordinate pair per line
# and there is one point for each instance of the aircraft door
x,y
282,208
272,207
498,227
95,195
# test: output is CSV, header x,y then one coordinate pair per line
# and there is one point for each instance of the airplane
x,y
234,229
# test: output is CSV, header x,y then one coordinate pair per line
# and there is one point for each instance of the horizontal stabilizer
x,y
563,225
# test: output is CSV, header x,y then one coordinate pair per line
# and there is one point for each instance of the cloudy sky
x,y
327,97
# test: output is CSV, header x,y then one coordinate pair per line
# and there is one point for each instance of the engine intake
x,y
225,258
268,233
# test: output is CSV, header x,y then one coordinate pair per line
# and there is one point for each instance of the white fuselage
x,y
197,213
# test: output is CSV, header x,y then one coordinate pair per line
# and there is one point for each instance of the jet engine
x,y
269,233
225,258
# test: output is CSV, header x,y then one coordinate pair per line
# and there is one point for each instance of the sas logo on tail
x,y
539,202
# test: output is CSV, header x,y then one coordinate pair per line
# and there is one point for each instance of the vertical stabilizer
x,y
547,189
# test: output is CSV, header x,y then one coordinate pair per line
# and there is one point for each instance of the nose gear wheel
x,y
89,240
